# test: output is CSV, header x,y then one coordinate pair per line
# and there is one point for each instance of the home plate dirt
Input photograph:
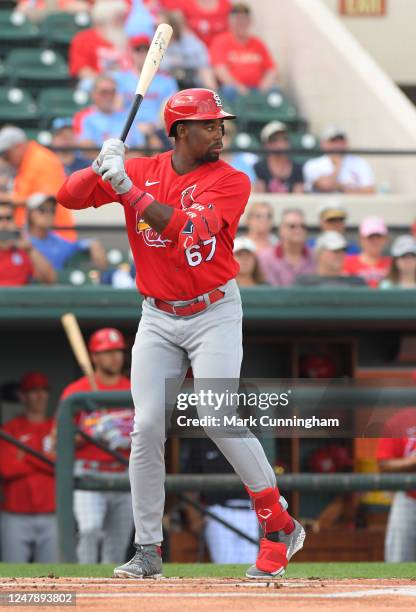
x,y
203,595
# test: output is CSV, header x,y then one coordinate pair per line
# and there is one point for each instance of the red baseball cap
x,y
139,41
106,339
34,380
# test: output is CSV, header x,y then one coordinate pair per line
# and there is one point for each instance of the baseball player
x,y
103,515
182,210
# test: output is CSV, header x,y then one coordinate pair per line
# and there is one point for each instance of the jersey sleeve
x,y
388,448
84,189
10,465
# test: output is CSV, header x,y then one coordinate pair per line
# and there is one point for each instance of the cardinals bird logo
x,y
187,198
150,236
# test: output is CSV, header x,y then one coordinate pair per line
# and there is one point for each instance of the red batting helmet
x,y
193,105
106,339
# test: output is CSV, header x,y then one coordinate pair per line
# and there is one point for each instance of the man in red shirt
x,y
19,260
28,525
241,61
182,210
104,47
105,516
397,453
370,264
206,18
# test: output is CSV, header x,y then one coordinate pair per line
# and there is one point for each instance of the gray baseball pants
x,y
165,346
29,536
400,541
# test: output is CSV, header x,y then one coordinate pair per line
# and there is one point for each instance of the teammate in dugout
x,y
103,516
182,210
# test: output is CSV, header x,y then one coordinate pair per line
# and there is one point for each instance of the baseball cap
x,y
106,339
37,199
59,123
242,243
139,41
332,210
331,241
373,225
403,245
241,7
333,131
34,380
273,127
11,136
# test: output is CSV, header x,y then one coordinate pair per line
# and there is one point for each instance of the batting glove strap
x,y
137,199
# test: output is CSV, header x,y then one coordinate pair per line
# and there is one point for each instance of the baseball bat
x,y
151,64
74,335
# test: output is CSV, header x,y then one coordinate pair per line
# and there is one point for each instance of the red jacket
x,y
28,483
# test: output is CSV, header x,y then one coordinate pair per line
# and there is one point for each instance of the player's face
x,y
204,139
36,400
109,362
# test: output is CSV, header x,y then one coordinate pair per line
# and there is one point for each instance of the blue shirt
x,y
97,127
352,247
161,88
57,250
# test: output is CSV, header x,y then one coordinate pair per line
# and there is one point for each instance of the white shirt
x,y
354,171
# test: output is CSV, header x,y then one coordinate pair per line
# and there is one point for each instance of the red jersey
x,y
90,50
163,271
373,275
204,23
15,267
248,62
401,429
112,426
28,483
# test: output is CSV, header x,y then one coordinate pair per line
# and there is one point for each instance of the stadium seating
x,y
16,31
244,141
18,107
43,137
58,29
306,141
256,109
60,102
35,68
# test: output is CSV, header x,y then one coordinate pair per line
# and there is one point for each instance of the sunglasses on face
x,y
106,92
46,211
296,226
335,220
261,216
6,217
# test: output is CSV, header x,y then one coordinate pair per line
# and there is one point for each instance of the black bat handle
x,y
133,111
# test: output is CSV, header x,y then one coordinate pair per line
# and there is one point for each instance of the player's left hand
x,y
112,170
113,147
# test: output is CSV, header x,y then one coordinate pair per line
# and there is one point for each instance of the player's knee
x,y
147,430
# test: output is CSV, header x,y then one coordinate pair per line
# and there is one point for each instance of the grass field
x,y
209,570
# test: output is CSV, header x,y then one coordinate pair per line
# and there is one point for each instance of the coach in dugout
x,y
28,525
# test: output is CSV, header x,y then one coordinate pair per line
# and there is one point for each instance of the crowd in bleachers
x,y
68,71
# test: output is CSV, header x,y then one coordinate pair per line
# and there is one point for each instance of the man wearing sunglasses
x,y
19,260
291,257
57,250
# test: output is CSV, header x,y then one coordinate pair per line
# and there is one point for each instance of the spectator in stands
x,y
28,523
260,218
370,264
36,169
102,48
63,135
37,10
337,172
104,119
396,452
187,57
403,266
330,252
241,61
103,517
333,217
276,172
250,274
291,257
20,262
160,89
206,18
240,160
55,249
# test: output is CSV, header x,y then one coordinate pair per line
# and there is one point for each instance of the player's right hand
x,y
113,147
